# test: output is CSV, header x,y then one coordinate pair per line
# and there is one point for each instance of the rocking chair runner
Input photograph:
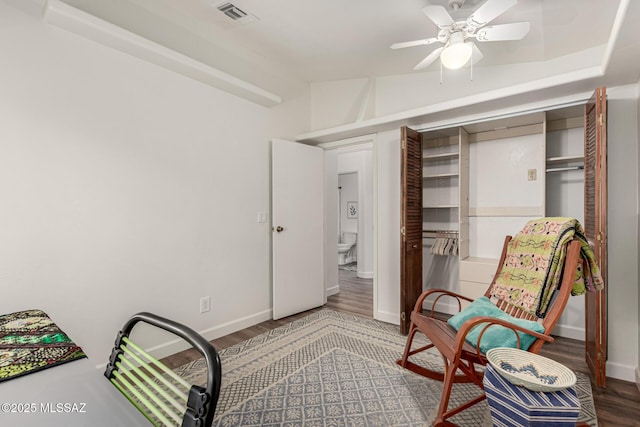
x,y
459,354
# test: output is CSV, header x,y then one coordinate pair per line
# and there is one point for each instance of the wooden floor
x,y
617,405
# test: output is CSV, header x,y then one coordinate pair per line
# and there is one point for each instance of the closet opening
x,y
472,184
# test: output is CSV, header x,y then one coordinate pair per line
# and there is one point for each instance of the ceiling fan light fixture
x,y
456,55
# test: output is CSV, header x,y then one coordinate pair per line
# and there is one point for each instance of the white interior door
x,y
298,219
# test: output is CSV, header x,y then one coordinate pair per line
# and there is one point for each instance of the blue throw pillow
x,y
496,335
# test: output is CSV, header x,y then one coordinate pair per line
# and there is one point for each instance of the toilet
x,y
346,248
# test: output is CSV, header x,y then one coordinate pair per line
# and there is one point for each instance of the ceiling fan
x,y
457,51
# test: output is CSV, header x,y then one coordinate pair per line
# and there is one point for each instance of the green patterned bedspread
x,y
30,341
532,270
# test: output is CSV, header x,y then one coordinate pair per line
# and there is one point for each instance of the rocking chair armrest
x,y
440,293
489,321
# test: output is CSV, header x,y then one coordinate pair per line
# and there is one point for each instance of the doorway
x,y
349,237
348,213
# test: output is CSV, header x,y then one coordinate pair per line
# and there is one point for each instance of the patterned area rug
x,y
30,341
336,369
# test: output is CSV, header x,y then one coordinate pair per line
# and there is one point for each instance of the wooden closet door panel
x,y
411,225
595,222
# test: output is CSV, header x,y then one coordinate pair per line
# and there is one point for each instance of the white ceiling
x,y
297,41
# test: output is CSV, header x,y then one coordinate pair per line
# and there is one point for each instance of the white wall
x,y
335,103
348,183
387,278
507,186
412,90
126,187
622,164
638,225
332,285
367,266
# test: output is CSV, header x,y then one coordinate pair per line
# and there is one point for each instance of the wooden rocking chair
x,y
458,354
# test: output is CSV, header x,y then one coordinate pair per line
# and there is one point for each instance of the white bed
x,y
69,395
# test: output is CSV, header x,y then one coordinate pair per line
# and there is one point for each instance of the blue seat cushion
x,y
495,335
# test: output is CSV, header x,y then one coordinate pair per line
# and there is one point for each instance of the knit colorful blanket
x,y
532,269
30,341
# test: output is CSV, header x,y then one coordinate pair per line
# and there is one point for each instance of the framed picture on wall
x,y
352,209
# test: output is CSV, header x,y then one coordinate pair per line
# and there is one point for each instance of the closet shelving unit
x,y
500,154
565,165
486,179
433,162
444,172
564,161
440,176
565,150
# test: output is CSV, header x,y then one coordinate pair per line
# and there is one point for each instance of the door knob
x,y
279,229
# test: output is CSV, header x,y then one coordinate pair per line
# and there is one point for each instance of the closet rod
x,y
439,233
571,168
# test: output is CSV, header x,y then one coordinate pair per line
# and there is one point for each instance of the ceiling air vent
x,y
232,11
235,13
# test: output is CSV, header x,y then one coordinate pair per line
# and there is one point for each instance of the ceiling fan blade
x,y
489,11
414,43
513,31
429,59
439,15
476,54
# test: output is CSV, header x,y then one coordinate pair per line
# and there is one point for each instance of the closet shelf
x,y
441,156
564,159
480,260
441,175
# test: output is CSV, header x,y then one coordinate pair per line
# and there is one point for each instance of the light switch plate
x,y
533,174
262,217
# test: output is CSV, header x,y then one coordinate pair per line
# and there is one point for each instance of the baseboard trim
x,y
175,346
621,372
388,317
178,345
332,290
638,377
568,331
365,274
442,307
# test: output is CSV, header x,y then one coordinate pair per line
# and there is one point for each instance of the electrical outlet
x,y
262,217
205,304
533,174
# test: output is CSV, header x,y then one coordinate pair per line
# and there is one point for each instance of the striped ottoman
x,y
513,405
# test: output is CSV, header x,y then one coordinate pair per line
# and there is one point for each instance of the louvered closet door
x,y
595,218
411,226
